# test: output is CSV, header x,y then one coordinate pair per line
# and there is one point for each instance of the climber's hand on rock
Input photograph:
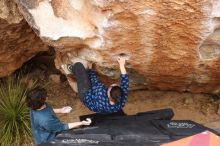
x,y
121,61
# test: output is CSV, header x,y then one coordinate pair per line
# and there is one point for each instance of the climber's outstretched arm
x,y
121,62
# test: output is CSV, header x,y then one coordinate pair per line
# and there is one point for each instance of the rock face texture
x,y
169,44
18,43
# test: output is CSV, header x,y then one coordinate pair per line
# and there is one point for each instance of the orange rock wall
x,y
169,44
18,43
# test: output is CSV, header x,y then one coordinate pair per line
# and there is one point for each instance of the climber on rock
x,y
95,95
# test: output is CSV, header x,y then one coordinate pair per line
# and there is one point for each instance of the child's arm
x,y
54,125
78,124
64,110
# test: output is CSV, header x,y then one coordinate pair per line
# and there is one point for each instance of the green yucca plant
x,y
14,114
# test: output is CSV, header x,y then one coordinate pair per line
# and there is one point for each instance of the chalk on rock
x,y
83,61
123,55
64,67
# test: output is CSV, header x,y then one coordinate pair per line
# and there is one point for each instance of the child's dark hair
x,y
36,98
115,93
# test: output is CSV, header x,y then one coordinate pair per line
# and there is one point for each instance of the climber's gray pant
x,y
82,79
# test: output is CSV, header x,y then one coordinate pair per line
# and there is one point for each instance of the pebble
x,y
55,78
188,101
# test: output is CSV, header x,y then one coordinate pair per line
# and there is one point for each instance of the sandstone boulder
x,y
169,44
18,43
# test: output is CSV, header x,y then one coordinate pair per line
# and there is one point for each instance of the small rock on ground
x,y
55,78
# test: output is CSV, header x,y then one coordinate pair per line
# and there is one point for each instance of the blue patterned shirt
x,y
96,98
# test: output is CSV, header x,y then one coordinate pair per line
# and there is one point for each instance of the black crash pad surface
x,y
151,128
